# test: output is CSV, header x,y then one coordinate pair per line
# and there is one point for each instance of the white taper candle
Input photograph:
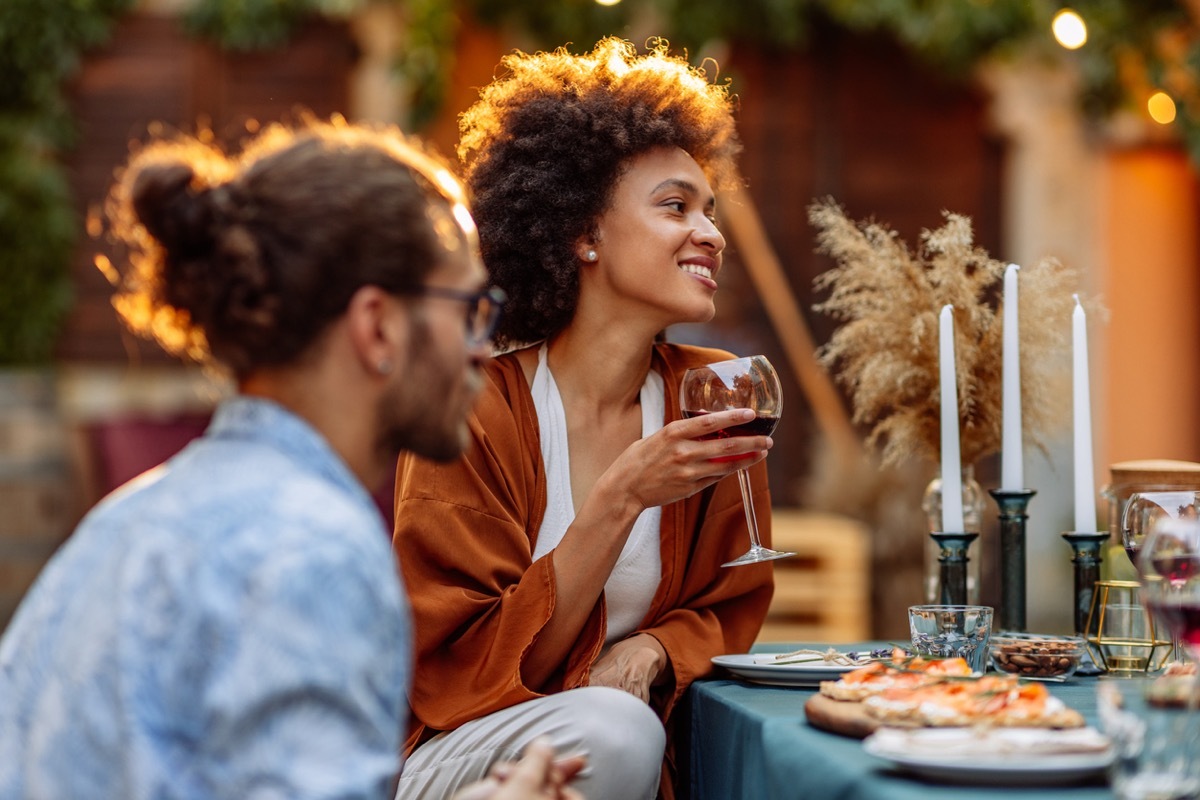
x,y
1085,490
952,508
1012,468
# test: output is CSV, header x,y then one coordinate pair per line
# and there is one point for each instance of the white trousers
x,y
621,736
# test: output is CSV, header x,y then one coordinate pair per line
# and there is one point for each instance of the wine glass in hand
x,y
1169,570
750,383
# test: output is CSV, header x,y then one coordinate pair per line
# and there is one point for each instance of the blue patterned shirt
x,y
230,624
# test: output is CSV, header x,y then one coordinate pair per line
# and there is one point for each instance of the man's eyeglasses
x,y
484,308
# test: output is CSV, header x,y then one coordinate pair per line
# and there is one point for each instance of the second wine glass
x,y
1168,565
1146,509
751,383
1144,513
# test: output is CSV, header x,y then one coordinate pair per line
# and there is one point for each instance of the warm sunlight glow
x,y
607,2
1161,108
107,269
1069,29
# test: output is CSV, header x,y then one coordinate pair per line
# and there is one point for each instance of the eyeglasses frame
x,y
493,296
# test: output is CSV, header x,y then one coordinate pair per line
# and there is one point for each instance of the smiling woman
x,y
583,592
535,197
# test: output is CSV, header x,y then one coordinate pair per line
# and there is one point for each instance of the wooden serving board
x,y
840,716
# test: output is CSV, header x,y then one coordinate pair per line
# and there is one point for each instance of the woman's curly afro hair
x,y
545,145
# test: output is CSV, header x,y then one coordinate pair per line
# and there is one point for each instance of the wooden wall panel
x,y
856,119
153,72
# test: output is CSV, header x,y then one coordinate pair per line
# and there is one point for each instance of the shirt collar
x,y
256,419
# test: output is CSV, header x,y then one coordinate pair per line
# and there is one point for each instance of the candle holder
x,y
1086,558
1012,505
952,573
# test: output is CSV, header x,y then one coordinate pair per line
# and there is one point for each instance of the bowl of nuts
x,y
1037,656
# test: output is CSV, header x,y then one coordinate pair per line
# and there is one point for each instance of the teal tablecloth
x,y
752,741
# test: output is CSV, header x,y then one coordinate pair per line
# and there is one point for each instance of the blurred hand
x,y
537,776
676,462
631,665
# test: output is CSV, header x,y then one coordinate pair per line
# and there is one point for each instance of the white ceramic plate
x,y
748,667
1028,768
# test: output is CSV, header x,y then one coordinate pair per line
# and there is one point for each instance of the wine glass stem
x,y
748,504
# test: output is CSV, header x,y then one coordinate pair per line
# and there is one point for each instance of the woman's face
x,y
657,245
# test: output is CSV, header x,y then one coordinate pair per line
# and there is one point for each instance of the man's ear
x,y
378,325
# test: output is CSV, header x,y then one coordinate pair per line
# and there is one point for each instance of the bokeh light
x,y
1069,29
607,2
1161,108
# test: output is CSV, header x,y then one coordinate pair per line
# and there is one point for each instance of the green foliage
x,y
953,35
773,23
37,232
578,24
1124,34
425,58
249,24
39,49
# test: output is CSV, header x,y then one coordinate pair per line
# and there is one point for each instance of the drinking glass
x,y
947,631
1144,510
1154,742
1168,565
751,383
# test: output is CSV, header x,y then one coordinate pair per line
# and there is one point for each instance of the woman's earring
x,y
384,367
590,255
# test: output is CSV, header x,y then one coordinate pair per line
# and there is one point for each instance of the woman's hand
x,y
631,665
670,465
685,457
537,776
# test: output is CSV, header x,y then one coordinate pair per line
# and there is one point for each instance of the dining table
x,y
751,740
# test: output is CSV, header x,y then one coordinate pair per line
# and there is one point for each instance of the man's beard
x,y
413,415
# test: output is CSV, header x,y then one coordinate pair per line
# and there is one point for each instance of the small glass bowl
x,y
1036,656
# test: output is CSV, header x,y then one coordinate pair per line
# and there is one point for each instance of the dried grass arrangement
x,y
885,352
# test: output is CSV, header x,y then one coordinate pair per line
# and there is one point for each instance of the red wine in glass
x,y
1181,617
737,383
1169,570
761,425
1177,569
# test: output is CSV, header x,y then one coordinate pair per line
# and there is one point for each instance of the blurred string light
x,y
1161,108
1069,29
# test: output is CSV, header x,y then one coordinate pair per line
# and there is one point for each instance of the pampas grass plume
x,y
885,351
